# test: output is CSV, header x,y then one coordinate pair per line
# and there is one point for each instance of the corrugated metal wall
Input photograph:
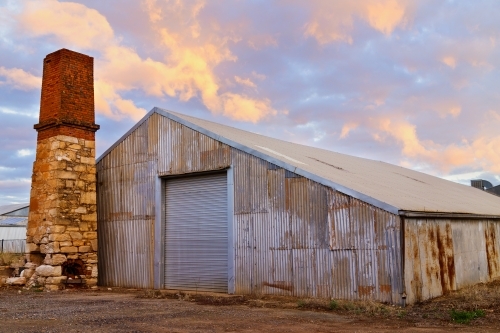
x,y
296,237
443,255
126,194
292,236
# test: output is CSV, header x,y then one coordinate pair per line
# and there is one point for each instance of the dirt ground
x,y
126,310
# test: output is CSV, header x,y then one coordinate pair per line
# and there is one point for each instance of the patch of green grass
x,y
333,305
464,317
401,314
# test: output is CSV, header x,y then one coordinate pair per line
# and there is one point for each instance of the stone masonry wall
x,y
63,219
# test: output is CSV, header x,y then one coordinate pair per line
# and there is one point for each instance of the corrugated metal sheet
x,y
12,232
283,224
12,245
443,255
196,233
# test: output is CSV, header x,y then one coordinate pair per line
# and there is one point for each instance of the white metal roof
x,y
5,209
13,221
390,187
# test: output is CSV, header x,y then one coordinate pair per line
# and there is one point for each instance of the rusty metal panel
x,y
182,150
283,224
442,255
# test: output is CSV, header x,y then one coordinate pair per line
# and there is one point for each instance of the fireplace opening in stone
x,y
74,269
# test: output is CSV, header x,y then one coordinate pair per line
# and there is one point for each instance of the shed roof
x,y
393,188
6,209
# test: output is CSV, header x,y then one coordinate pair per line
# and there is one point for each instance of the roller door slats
x,y
196,233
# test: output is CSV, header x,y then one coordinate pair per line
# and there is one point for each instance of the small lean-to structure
x,y
188,204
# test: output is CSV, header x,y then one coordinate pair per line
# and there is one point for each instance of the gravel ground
x,y
121,310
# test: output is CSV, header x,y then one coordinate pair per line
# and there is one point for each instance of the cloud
x,y
334,20
25,152
245,82
72,23
347,128
19,79
482,152
449,61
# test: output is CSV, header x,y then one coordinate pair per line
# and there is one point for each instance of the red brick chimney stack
x,y
62,224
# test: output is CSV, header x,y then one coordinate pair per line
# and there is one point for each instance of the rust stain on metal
x,y
365,290
121,216
416,281
385,288
280,285
446,261
491,251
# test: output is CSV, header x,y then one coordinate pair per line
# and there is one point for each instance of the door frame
x,y
160,220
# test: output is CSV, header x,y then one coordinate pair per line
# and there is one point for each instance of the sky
x,y
412,83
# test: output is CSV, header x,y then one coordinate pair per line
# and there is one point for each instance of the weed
x,y
401,314
464,317
301,303
333,305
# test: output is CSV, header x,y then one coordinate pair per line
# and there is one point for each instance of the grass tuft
x,y
464,317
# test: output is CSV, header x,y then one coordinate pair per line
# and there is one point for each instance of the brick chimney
x,y
62,224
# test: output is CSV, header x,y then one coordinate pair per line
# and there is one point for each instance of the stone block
x,y
93,243
75,147
30,265
88,177
83,249
84,226
60,237
94,271
65,138
44,240
50,248
89,144
16,281
66,174
46,270
87,160
67,243
88,198
79,242
58,259
32,247
90,235
72,228
69,249
72,256
76,235
56,229
89,217
81,210
28,273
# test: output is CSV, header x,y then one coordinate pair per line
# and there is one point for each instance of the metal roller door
x,y
196,233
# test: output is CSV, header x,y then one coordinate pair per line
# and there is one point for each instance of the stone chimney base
x,y
62,233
